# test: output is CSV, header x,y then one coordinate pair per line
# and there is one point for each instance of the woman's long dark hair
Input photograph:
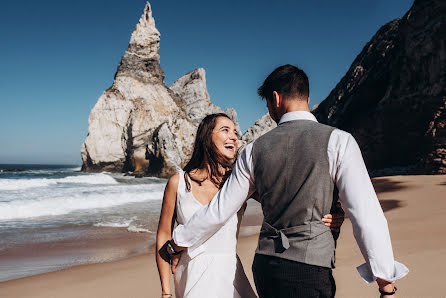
x,y
206,156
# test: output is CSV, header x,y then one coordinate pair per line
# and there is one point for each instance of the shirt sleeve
x,y
228,200
361,204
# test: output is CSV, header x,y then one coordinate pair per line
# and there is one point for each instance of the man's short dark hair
x,y
288,80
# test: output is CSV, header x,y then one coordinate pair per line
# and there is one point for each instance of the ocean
x,y
54,216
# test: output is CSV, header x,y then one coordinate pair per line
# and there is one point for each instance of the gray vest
x,y
292,179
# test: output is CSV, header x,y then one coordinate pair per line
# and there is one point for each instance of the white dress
x,y
217,271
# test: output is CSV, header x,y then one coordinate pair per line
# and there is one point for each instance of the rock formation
x,y
393,99
195,101
139,124
260,127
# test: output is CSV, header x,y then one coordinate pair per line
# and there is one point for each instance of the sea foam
x,y
19,184
123,223
135,229
65,203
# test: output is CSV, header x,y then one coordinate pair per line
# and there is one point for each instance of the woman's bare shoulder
x,y
173,181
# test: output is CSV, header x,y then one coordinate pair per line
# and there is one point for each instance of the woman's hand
x,y
174,262
335,220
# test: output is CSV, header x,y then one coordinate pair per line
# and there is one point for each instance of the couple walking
x,y
294,171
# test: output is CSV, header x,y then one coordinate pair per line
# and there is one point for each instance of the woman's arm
x,y
164,234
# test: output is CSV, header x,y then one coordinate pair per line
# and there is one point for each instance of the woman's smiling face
x,y
224,137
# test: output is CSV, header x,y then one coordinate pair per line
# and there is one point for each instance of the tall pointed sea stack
x,y
393,97
139,124
191,88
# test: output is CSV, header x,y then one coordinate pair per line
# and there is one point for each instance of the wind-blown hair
x,y
206,155
288,80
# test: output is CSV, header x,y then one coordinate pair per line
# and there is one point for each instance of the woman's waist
x,y
211,247
221,244
210,256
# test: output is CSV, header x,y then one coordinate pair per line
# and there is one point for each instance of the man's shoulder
x,y
339,141
312,125
339,133
265,138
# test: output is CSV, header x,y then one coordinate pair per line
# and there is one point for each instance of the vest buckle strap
x,y
285,241
273,233
300,231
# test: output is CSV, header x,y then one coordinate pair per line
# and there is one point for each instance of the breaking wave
x,y
19,184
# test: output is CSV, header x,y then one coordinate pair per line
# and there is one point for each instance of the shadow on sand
x,y
385,185
387,205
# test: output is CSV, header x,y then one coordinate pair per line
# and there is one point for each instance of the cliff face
x,y
139,124
393,99
191,89
260,127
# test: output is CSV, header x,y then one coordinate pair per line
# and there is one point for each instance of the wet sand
x,y
414,206
87,246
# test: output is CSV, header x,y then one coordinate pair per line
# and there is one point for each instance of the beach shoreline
x,y
91,245
414,210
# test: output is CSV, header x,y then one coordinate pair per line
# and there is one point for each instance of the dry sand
x,y
415,207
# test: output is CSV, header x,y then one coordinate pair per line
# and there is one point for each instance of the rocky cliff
x,y
139,124
260,127
393,99
194,98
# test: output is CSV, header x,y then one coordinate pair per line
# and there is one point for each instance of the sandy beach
x,y
414,207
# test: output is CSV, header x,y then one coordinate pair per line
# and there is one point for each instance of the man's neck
x,y
295,107
297,110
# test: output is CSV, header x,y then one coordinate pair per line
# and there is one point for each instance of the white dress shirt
x,y
356,193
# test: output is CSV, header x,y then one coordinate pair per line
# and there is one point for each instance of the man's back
x,y
291,173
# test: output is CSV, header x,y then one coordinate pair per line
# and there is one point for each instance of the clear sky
x,y
59,56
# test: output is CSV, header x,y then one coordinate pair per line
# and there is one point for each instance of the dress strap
x,y
181,183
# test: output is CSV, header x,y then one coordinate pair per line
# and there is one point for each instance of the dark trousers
x,y
276,277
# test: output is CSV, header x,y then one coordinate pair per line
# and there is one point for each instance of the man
x,y
294,168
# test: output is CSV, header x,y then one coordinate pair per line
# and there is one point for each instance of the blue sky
x,y
59,56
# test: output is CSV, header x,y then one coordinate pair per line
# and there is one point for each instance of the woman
x,y
216,272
